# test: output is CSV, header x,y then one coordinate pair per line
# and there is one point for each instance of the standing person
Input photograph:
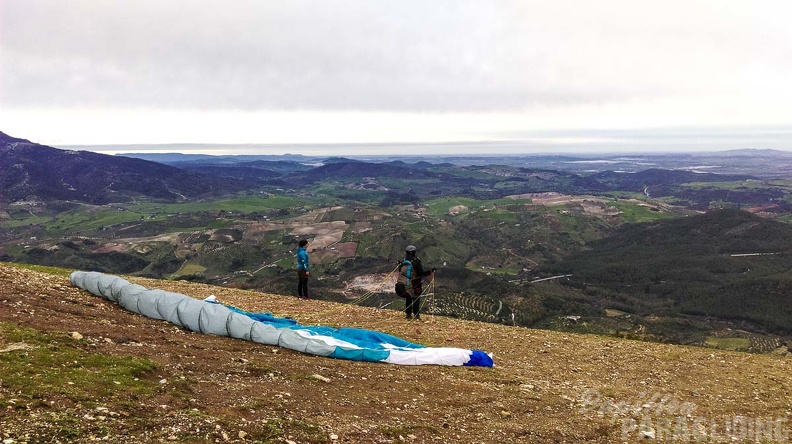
x,y
418,272
403,281
414,279
303,270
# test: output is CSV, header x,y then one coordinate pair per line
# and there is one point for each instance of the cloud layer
x,y
590,64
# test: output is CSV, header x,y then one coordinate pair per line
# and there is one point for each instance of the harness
x,y
405,275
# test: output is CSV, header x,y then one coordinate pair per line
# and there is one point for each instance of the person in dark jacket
x,y
418,272
411,274
303,270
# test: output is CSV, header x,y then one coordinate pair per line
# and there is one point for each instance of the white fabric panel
x,y
147,304
91,282
239,326
189,312
329,340
213,319
290,339
429,355
296,340
105,285
265,334
77,279
115,289
317,346
129,297
131,290
167,307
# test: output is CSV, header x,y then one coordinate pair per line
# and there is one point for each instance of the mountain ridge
x,y
29,171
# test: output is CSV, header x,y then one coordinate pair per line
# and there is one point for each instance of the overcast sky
x,y
565,75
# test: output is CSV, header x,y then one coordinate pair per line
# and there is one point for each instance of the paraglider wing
x,y
211,317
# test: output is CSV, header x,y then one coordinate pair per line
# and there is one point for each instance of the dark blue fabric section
x,y
480,359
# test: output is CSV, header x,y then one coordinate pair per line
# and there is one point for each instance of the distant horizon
x,y
547,142
384,149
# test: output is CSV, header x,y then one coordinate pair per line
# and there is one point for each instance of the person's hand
x,y
307,273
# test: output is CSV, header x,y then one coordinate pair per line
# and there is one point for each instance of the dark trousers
x,y
412,304
302,284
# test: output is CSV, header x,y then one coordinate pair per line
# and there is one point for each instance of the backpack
x,y
405,275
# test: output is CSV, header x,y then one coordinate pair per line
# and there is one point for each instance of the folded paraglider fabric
x,y
210,317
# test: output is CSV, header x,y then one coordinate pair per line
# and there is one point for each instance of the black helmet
x,y
411,249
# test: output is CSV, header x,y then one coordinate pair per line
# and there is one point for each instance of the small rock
x,y
320,378
76,335
242,434
648,433
333,437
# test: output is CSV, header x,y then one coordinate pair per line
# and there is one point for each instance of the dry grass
x,y
545,387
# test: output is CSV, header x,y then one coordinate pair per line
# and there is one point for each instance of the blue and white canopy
x,y
208,316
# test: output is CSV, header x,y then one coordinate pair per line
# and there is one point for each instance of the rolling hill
x,y
728,264
29,171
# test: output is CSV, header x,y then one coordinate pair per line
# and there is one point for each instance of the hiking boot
x,y
408,317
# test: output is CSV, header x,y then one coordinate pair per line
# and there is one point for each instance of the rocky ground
x,y
546,387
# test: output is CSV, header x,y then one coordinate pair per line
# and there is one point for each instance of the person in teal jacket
x,y
411,273
303,270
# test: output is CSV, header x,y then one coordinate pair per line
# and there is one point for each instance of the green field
x,y
728,343
632,213
243,205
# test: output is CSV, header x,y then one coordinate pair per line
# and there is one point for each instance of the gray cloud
x,y
405,55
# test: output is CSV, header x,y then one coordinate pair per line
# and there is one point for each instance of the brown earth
x,y
546,387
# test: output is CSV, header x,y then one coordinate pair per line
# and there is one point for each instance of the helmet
x,y
411,249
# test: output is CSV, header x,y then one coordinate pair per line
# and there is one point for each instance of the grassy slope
x,y
546,386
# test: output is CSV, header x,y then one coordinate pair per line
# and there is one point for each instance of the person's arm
x,y
420,270
418,267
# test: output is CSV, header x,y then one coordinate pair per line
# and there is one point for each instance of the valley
x,y
495,232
